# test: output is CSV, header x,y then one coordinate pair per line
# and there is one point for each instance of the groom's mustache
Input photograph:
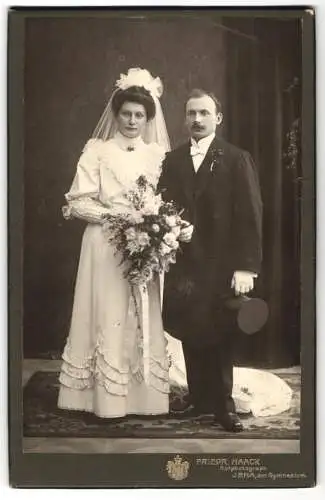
x,y
197,126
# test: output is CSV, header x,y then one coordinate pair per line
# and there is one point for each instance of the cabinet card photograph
x,y
161,247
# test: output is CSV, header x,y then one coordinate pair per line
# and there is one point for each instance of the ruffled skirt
x,y
103,366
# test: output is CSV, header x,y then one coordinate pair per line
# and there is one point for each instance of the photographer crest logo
x,y
177,468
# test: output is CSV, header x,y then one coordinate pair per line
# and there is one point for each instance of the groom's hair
x,y
197,93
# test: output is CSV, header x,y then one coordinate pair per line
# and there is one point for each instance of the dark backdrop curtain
x,y
262,116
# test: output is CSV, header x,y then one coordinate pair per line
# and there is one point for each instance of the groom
x,y
217,186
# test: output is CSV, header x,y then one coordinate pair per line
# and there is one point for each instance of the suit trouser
x,y
210,375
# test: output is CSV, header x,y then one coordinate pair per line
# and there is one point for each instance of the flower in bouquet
x,y
151,204
171,240
137,240
164,249
168,257
130,233
171,220
136,217
176,230
143,239
171,257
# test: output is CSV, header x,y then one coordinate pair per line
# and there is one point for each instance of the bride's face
x,y
131,119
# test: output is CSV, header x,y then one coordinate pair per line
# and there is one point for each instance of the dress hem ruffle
x,y
84,373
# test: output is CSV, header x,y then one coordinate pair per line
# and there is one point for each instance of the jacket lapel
x,y
188,175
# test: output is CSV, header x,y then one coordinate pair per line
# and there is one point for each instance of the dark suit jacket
x,y
222,200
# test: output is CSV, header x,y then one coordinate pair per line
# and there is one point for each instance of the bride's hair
x,y
134,94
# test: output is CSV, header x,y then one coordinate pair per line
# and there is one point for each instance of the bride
x,y
103,359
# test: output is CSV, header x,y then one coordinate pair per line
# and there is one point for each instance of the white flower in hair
x,y
142,78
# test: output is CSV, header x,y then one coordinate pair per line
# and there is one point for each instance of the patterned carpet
x,y
42,418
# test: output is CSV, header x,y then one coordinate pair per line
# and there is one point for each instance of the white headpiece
x,y
141,78
155,130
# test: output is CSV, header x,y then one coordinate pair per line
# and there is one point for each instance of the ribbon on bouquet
x,y
144,322
161,288
145,331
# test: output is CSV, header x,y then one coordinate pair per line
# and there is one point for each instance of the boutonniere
x,y
217,155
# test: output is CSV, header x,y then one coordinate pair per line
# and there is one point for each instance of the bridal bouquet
x,y
148,235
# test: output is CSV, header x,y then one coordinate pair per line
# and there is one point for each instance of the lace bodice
x,y
105,171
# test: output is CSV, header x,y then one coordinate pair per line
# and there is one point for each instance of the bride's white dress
x,y
102,369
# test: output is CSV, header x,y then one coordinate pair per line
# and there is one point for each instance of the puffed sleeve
x,y
83,197
157,155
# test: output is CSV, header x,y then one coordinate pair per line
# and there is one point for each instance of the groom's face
x,y
201,116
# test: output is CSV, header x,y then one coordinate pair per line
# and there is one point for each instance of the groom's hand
x,y
243,282
186,233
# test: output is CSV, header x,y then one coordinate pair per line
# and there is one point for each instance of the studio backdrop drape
x,y
263,58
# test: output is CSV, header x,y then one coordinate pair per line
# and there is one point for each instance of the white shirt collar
x,y
204,143
127,142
